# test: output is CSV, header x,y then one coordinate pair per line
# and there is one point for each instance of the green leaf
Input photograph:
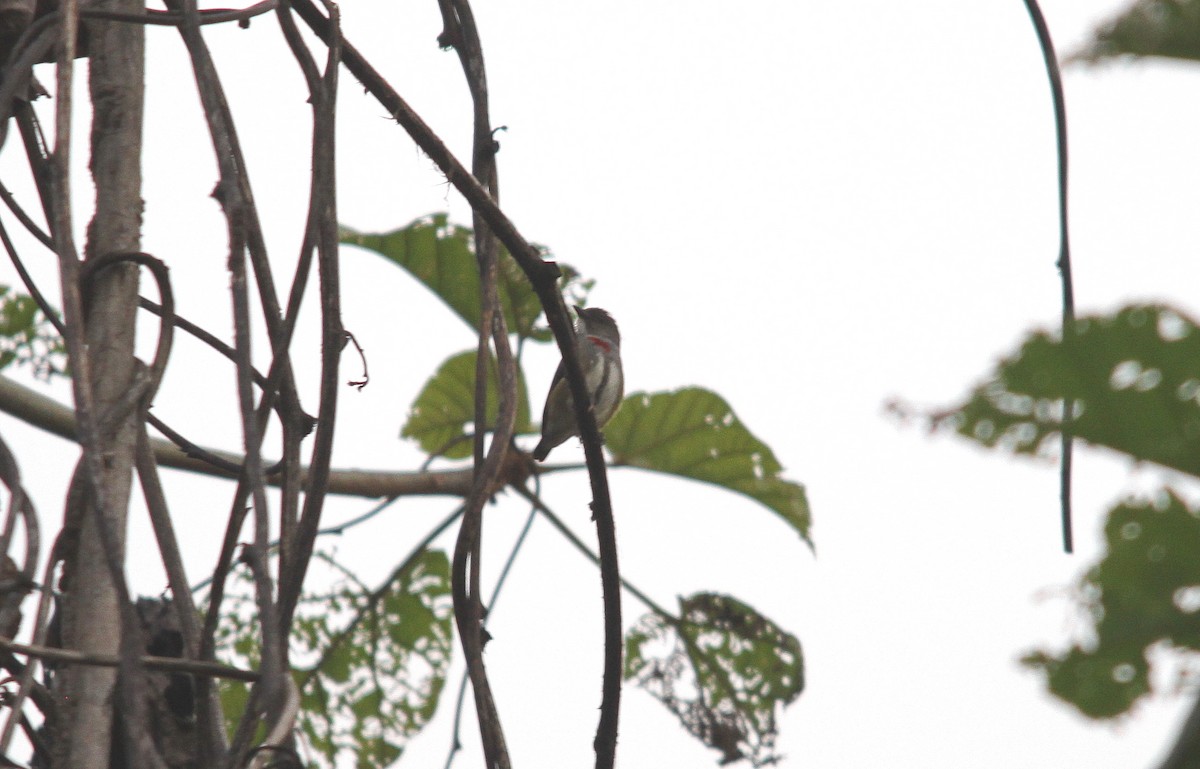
x,y
443,415
376,752
1166,28
377,658
442,256
26,336
233,695
726,672
336,666
1134,377
1144,591
397,642
694,433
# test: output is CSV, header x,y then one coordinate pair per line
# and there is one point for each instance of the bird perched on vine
x,y
599,344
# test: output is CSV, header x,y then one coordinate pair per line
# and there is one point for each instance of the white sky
x,y
807,207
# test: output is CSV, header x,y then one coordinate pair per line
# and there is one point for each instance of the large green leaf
x,y
443,414
694,433
1145,590
1134,377
726,671
382,657
1167,28
371,664
442,256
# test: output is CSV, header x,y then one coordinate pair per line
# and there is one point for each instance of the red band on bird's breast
x,y
603,344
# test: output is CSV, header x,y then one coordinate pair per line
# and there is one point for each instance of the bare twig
x,y
1064,252
30,285
322,222
162,664
218,461
579,545
24,218
204,336
359,384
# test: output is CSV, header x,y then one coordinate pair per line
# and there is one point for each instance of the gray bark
x,y
91,614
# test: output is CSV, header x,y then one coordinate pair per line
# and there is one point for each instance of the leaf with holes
x,y
1134,378
443,415
376,658
384,666
1145,590
442,256
723,670
694,433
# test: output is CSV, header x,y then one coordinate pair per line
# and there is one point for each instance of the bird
x,y
599,344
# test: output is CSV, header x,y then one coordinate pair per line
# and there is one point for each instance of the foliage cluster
x,y
1134,379
379,655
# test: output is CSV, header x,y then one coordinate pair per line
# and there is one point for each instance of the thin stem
x,y
150,662
322,221
1064,253
456,743
558,523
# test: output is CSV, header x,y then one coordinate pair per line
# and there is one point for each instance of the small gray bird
x,y
599,345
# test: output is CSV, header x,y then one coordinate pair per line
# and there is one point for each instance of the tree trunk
x,y
90,611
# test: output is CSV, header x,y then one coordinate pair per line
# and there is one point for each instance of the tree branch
x,y
161,664
543,277
47,414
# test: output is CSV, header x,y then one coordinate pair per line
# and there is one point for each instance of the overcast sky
x,y
810,208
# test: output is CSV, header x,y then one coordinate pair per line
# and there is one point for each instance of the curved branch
x,y
543,276
468,600
527,255
204,336
174,19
